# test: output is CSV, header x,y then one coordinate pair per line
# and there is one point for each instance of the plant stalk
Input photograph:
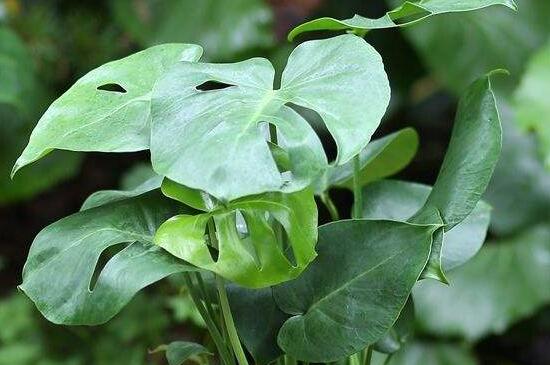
x,y
367,355
229,323
333,211
357,192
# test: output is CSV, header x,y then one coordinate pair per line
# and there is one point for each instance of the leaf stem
x,y
357,192
333,211
367,353
226,357
229,323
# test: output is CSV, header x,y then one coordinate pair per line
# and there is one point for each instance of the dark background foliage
x,y
428,66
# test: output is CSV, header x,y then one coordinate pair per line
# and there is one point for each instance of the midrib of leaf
x,y
348,283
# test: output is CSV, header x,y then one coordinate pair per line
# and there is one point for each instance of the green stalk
x,y
357,192
225,356
229,323
333,211
367,355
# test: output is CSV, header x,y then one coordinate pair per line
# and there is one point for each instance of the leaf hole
x,y
212,246
112,87
212,85
314,119
283,240
103,260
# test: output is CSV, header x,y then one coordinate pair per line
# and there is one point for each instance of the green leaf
x,y
249,250
58,273
257,332
194,198
224,31
491,38
530,99
381,158
507,281
178,352
107,110
408,13
471,157
400,200
192,128
104,197
353,293
519,171
421,353
399,333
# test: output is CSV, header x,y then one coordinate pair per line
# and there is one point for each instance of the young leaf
x,y
505,282
531,104
192,128
400,200
178,352
257,332
408,13
58,273
249,251
108,109
352,294
381,158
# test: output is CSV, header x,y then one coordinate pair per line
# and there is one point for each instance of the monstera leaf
x,y
408,13
352,294
381,158
108,109
59,273
248,250
192,128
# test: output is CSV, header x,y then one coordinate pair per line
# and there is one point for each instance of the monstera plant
x,y
232,205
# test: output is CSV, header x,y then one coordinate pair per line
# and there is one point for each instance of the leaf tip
x,y
498,71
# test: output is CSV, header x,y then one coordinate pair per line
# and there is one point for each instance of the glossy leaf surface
x,y
249,251
192,128
381,158
108,109
408,13
531,100
352,294
58,273
505,282
426,353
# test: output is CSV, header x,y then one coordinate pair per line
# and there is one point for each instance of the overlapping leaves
x,y
334,312
192,128
408,13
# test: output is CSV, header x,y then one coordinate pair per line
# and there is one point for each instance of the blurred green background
x,y
497,309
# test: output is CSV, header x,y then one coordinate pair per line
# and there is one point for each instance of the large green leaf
x,y
381,158
399,201
257,332
250,251
224,30
192,128
531,100
108,109
352,294
58,273
520,188
490,38
178,352
504,283
408,13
